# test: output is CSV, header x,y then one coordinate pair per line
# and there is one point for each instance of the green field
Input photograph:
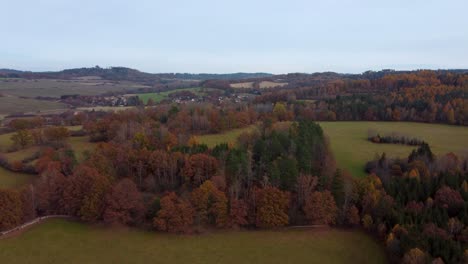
x,y
22,154
230,136
5,141
10,179
352,149
60,241
80,145
158,97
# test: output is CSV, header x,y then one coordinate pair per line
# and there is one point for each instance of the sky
x,y
216,36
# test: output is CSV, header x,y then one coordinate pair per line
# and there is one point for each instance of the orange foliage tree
x,y
320,208
211,204
271,207
124,203
175,215
10,209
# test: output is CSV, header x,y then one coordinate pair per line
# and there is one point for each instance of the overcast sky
x,y
233,36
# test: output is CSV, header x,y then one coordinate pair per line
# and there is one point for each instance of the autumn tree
x,y
175,215
56,134
21,138
10,209
84,195
320,208
200,167
237,213
415,256
211,204
271,207
49,191
124,203
28,203
352,216
449,199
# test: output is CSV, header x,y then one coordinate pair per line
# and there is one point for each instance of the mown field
x,y
262,85
11,104
352,150
19,94
57,88
158,97
61,241
230,136
10,179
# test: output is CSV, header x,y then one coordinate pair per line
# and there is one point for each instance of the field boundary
x,y
30,223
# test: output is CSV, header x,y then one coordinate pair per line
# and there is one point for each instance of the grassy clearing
x,y
268,84
158,97
246,85
231,136
10,179
80,145
352,149
262,85
5,141
60,241
22,154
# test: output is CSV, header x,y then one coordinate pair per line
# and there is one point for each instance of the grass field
x,y
10,179
105,108
57,88
13,104
5,141
262,85
80,145
22,154
267,84
158,97
352,149
231,136
60,241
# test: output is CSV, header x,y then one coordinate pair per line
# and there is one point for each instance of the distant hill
x,y
123,73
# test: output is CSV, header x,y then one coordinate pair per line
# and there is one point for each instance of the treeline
x,y
394,138
425,96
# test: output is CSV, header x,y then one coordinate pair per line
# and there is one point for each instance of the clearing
x,y
158,97
352,150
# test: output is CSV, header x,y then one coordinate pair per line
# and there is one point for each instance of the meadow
x,y
352,150
229,137
62,241
57,88
9,179
12,104
158,97
262,85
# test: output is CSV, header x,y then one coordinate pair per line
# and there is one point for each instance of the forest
x,y
148,169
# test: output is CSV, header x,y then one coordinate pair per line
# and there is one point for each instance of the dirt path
x,y
20,229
